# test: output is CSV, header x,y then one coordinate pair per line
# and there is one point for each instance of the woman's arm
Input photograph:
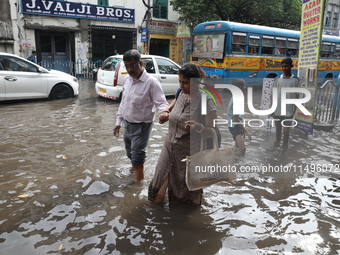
x,y
164,117
204,130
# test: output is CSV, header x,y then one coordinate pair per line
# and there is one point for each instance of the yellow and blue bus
x,y
228,50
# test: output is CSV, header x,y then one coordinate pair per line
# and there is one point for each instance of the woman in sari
x,y
186,125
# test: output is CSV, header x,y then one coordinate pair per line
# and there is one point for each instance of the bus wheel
x,y
271,75
328,77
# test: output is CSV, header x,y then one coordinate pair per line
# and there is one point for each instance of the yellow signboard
x,y
311,32
310,40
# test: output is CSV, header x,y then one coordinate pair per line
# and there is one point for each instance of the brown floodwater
x,y
66,188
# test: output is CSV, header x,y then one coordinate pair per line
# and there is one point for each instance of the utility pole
x,y
147,29
147,19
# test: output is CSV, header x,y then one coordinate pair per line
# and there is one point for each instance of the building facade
x,y
80,30
331,18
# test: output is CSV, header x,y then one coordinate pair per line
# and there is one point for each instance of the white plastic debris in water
x,y
96,188
116,148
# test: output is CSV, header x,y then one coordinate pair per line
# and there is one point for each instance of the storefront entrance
x,y
160,47
105,40
55,48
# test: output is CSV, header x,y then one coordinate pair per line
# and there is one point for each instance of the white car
x,y
111,75
22,79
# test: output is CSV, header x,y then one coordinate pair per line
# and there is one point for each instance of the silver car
x,y
22,79
110,75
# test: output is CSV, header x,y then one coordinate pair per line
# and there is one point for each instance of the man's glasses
x,y
131,65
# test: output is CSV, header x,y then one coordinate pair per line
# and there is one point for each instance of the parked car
x,y
110,75
22,79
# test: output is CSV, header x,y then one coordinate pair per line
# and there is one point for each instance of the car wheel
x,y
61,91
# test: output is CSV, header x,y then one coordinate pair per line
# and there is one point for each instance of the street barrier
x,y
327,106
80,69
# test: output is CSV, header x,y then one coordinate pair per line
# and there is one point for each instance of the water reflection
x,y
66,189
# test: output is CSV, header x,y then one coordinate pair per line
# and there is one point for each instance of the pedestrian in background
x,y
32,58
236,128
285,80
141,94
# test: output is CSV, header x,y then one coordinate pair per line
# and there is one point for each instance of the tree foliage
x,y
275,13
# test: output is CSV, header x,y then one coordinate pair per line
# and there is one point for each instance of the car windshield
x,y
9,63
110,64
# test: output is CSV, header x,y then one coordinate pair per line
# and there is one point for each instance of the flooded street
x,y
66,188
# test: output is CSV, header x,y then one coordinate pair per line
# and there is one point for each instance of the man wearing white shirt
x,y
142,94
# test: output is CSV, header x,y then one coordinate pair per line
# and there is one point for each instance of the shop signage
x,y
309,54
183,32
77,10
159,27
144,36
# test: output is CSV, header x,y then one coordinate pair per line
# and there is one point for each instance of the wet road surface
x,y
66,189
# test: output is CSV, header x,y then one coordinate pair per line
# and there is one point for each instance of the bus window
x,y
292,47
337,52
267,45
332,51
326,50
239,43
280,46
209,46
254,45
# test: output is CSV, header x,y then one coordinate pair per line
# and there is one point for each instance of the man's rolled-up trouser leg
x,y
136,138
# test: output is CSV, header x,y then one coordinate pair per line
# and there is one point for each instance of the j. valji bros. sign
x,y
77,10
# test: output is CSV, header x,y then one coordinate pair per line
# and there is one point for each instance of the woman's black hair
x,y
210,39
191,70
